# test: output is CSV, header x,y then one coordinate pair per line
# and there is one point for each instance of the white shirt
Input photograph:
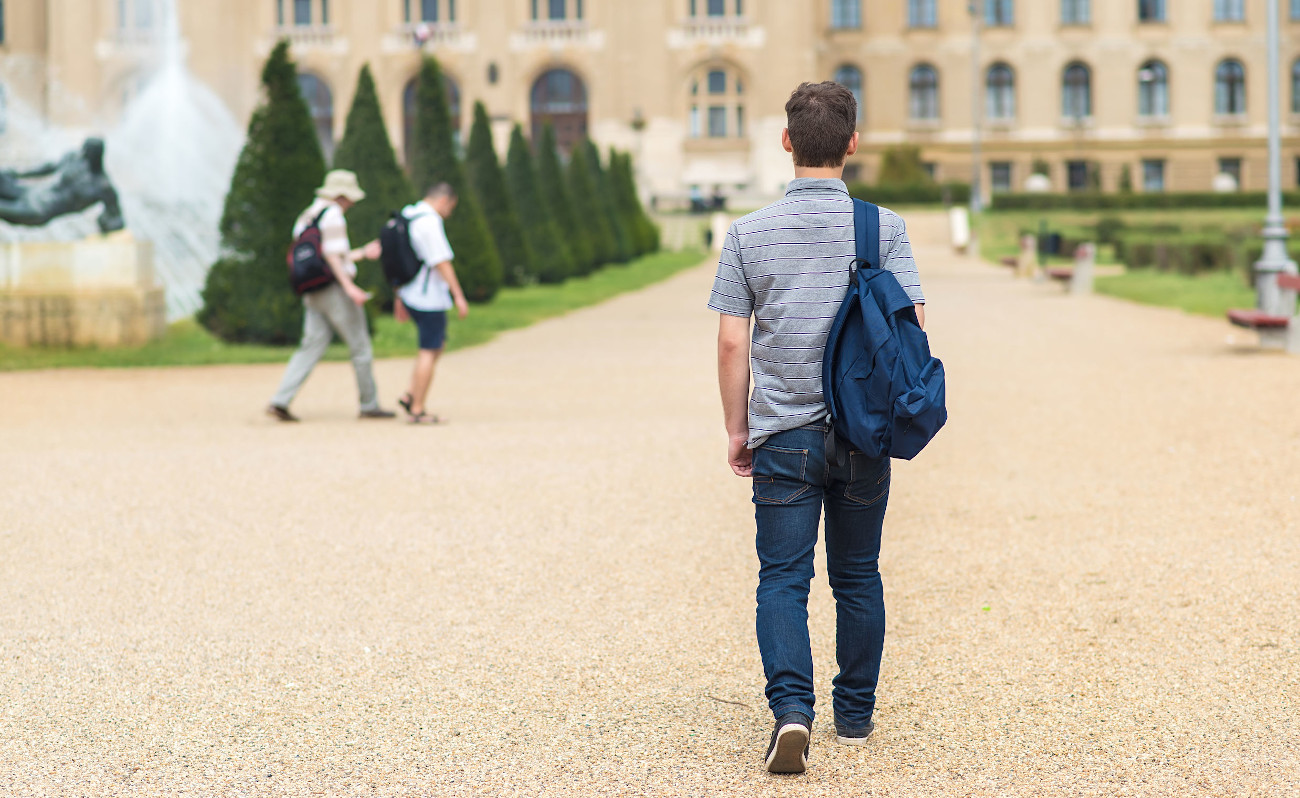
x,y
428,291
333,230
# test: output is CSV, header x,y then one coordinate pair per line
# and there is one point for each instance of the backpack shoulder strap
x,y
866,229
316,222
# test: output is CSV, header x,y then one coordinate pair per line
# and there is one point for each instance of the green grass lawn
x,y
1207,295
188,344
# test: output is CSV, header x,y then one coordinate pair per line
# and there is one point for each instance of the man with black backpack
x,y
418,263
788,266
332,301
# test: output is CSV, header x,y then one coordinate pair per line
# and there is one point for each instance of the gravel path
x,y
1091,574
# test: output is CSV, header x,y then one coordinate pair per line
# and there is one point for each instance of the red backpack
x,y
308,269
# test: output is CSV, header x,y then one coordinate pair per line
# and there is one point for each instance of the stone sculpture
x,y
79,182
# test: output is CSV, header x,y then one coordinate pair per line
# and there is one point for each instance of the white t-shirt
x,y
428,291
333,230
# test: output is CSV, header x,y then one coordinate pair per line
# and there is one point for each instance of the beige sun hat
x,y
341,183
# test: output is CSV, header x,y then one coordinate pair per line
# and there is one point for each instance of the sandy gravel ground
x,y
1091,575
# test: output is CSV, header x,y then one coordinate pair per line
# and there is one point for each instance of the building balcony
x,y
429,37
310,37
557,35
716,30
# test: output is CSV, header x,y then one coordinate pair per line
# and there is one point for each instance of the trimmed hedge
x,y
1095,201
915,194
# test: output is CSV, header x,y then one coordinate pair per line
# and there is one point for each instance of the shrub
x,y
582,193
644,233
951,193
1090,201
555,193
433,160
489,183
901,165
367,151
247,295
551,258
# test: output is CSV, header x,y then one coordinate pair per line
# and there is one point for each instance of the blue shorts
x,y
432,326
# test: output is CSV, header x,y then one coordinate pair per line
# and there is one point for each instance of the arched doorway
x,y
559,99
452,91
321,102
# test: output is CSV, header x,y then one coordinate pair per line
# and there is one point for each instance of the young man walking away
x,y
427,298
338,306
787,265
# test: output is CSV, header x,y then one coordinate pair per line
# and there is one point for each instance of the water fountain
x,y
171,155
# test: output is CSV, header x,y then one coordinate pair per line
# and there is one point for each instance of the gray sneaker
x,y
788,751
847,736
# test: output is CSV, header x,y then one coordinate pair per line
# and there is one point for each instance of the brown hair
x,y
821,118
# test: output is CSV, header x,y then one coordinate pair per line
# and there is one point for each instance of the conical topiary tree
x,y
582,190
606,203
433,160
555,193
552,261
247,295
367,150
489,183
644,232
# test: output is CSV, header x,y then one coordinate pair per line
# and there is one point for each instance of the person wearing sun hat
x,y
336,308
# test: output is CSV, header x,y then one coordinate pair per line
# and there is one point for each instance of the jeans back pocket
x,y
780,474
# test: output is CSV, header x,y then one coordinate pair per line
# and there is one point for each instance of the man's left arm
x,y
733,382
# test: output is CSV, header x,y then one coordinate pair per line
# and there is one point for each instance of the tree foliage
x,y
582,193
489,182
367,151
552,261
643,232
901,165
433,160
607,204
247,296
555,193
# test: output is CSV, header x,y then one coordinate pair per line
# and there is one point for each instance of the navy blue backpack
x,y
884,390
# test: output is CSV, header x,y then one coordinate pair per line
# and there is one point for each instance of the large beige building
x,y
1171,92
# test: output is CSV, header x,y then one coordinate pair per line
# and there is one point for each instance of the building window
x,y
1000,176
431,10
922,14
1153,175
1230,88
321,102
1151,10
1295,10
846,14
1231,166
850,77
715,8
450,90
559,98
1077,92
1153,89
999,13
1295,86
1000,92
131,14
1076,12
924,93
302,12
557,11
724,89
2,41
1229,10
1076,175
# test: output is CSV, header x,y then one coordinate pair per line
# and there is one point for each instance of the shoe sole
x,y
852,740
788,754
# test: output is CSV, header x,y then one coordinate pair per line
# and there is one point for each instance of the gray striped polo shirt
x,y
788,266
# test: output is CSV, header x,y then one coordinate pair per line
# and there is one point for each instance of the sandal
x,y
405,403
425,418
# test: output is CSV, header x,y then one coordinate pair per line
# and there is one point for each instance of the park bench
x,y
1273,329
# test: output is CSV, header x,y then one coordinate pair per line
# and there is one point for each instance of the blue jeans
x,y
792,482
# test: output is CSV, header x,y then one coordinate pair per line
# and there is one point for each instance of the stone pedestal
x,y
96,292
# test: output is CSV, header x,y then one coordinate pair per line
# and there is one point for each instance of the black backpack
x,y
308,269
401,264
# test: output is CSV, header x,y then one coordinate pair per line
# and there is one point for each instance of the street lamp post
x,y
977,122
1274,260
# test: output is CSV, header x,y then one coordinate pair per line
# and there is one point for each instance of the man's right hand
x,y
739,456
399,312
357,295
